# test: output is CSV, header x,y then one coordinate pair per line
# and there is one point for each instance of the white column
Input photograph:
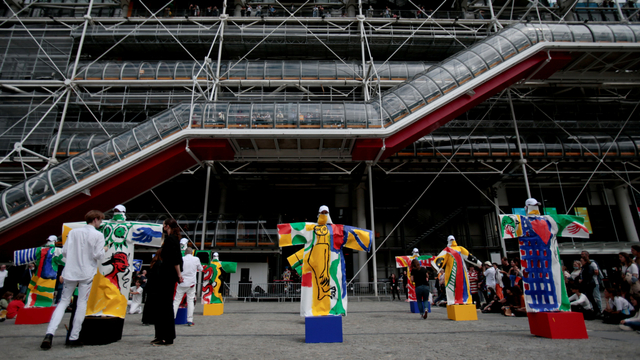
x,y
362,223
622,199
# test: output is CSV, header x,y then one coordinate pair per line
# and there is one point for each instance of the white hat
x,y
488,263
323,208
184,241
120,208
532,202
415,250
451,237
52,238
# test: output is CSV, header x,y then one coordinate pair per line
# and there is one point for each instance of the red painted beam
x,y
119,188
368,149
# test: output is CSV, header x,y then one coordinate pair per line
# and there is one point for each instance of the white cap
x,y
488,263
415,250
451,238
52,238
323,208
532,202
184,241
120,208
215,255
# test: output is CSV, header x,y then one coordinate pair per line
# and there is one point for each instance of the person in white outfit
x,y
83,250
490,276
191,266
136,299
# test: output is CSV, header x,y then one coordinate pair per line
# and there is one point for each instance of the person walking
x,y
83,250
393,281
191,266
420,279
170,273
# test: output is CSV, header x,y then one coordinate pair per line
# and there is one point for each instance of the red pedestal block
x,y
34,315
558,325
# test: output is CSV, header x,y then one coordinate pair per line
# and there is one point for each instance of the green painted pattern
x,y
333,270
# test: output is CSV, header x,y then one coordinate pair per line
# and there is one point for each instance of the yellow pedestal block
x,y
462,312
213,309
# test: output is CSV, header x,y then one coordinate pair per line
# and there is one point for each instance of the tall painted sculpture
x,y
405,262
112,283
544,288
324,284
323,297
212,282
43,282
456,278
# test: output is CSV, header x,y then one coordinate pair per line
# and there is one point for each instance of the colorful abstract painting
x,y
43,282
212,279
456,276
112,283
324,283
544,288
405,262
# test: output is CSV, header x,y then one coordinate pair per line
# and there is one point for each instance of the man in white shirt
x,y
83,250
191,265
490,279
3,275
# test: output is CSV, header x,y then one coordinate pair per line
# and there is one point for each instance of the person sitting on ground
x,y
136,299
514,303
580,303
14,306
6,299
618,308
632,323
495,304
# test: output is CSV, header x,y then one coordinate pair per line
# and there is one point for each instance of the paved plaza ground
x,y
372,330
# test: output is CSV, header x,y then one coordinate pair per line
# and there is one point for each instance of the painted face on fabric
x,y
322,219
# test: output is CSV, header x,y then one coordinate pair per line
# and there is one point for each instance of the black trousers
x,y
164,323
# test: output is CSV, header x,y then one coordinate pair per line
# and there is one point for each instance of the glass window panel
x,y
292,70
165,71
442,78
608,147
255,70
571,147
215,115
626,146
581,33
488,54
327,70
461,145
383,71
332,115
410,96
104,155
498,146
460,72
544,33
238,70
513,146
239,115
374,115
529,31
129,72
262,115
63,146
427,88
480,145
504,47
398,71
553,145
94,72
286,115
473,62
414,69
636,31
274,70
310,115
622,33
112,71
182,71
601,33
181,113
38,187
309,70
196,117
166,124
79,144
517,38
561,33
16,199
535,145
98,139
348,71
83,165
61,176
394,106
125,144
224,67
356,115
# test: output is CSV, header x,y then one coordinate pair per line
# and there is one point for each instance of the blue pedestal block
x,y
323,329
414,307
181,317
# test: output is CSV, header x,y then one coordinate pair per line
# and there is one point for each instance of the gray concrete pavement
x,y
372,330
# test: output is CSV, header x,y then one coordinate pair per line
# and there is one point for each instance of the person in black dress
x,y
149,311
394,286
170,273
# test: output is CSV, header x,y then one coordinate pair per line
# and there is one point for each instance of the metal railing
x,y
281,290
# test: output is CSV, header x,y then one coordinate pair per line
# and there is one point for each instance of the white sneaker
x,y
625,327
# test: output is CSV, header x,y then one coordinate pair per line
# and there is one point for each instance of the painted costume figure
x,y
212,280
324,281
405,262
112,283
43,282
456,277
544,288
